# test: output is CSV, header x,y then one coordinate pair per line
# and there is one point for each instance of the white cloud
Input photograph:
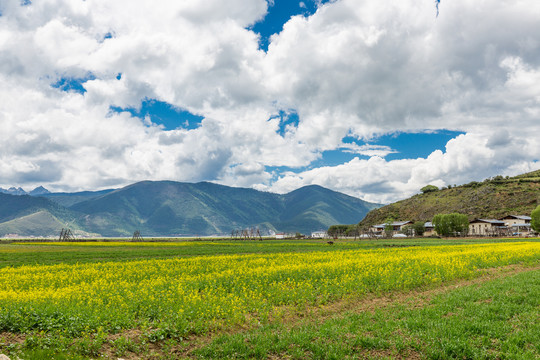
x,y
354,68
384,181
368,150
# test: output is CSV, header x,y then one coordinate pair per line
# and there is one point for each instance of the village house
x,y
397,226
429,229
487,227
518,224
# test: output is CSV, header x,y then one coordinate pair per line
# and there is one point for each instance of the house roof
x,y
400,223
395,223
489,221
520,225
520,217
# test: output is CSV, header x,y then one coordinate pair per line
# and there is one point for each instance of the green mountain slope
x,y
12,206
69,199
40,223
25,215
317,208
492,198
173,208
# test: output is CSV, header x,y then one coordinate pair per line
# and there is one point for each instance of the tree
x,y
419,228
451,224
429,188
352,230
416,229
336,231
389,228
408,230
535,219
441,225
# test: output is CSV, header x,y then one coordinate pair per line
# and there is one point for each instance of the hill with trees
x,y
492,198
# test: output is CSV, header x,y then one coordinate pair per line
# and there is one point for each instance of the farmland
x,y
210,298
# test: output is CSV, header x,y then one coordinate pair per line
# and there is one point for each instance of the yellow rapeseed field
x,y
198,293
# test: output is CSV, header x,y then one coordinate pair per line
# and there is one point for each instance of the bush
x,y
429,188
473,184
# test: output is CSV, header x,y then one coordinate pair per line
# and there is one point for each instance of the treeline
x,y
343,230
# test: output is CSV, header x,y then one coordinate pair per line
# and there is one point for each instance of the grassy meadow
x,y
422,298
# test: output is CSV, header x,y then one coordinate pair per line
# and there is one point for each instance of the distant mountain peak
x,y
13,191
40,190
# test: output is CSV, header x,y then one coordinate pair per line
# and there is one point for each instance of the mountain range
x,y
40,190
168,208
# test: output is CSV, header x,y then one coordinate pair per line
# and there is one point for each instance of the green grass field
x,y
495,319
298,299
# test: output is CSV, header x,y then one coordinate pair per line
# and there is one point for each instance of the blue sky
x,y
373,99
279,12
163,114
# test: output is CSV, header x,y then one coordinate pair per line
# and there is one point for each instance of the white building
x,y
397,226
486,227
319,234
518,224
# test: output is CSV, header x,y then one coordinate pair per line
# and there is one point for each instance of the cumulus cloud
x,y
354,68
378,180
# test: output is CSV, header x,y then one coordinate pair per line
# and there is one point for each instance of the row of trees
x,y
336,231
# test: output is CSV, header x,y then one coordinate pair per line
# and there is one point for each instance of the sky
x,y
373,99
